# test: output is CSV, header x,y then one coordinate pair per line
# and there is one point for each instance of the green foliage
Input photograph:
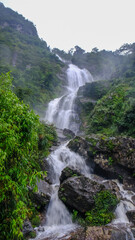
x,y
35,220
19,153
102,214
47,136
110,161
114,113
34,68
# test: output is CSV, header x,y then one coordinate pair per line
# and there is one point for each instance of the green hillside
x,y
34,68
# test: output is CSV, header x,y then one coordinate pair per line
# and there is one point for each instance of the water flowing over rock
x,y
62,111
72,172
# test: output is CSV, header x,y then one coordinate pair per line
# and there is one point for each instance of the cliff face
x,y
9,18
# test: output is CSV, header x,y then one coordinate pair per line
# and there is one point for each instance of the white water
x,y
58,219
62,111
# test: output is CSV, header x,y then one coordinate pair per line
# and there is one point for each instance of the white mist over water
x,y
62,111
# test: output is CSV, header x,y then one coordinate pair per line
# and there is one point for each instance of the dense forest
x,y
31,74
35,70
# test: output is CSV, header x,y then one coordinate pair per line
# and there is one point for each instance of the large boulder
x,y
112,158
69,172
78,192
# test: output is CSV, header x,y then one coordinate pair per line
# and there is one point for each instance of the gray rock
x,y
27,228
131,216
78,193
68,172
42,197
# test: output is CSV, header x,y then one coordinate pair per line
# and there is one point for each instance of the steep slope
x,y
36,71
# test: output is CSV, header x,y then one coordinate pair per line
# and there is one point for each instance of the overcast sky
x,y
105,24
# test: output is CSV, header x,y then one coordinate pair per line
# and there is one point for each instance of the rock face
x,y
131,216
68,133
78,193
42,197
27,228
68,172
112,158
106,233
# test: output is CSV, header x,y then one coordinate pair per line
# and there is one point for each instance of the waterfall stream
x,y
62,113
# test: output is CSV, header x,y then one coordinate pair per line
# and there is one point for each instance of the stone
x,y
27,228
68,172
131,216
68,133
105,233
78,193
42,197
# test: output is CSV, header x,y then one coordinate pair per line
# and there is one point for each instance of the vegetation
x,y
22,139
101,213
34,68
113,114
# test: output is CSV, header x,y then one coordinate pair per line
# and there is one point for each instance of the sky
x,y
105,24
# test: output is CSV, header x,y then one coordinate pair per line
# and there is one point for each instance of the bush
x,y
101,214
19,154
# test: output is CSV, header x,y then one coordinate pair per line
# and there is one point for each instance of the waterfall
x,y
62,111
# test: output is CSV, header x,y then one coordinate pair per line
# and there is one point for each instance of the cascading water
x,y
58,219
62,111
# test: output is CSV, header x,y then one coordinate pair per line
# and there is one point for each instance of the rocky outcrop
x,y
131,216
78,193
68,133
106,233
28,230
112,158
68,172
41,198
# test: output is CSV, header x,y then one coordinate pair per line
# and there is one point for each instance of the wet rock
x,y
105,233
79,145
27,228
46,166
131,216
42,197
68,133
78,193
68,172
41,229
111,158
133,231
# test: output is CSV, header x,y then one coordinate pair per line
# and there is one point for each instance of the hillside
x,y
36,71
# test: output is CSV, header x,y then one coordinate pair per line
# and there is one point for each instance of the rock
x,y
42,197
68,133
78,193
27,228
131,216
68,172
111,158
105,233
41,229
133,231
79,145
49,169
